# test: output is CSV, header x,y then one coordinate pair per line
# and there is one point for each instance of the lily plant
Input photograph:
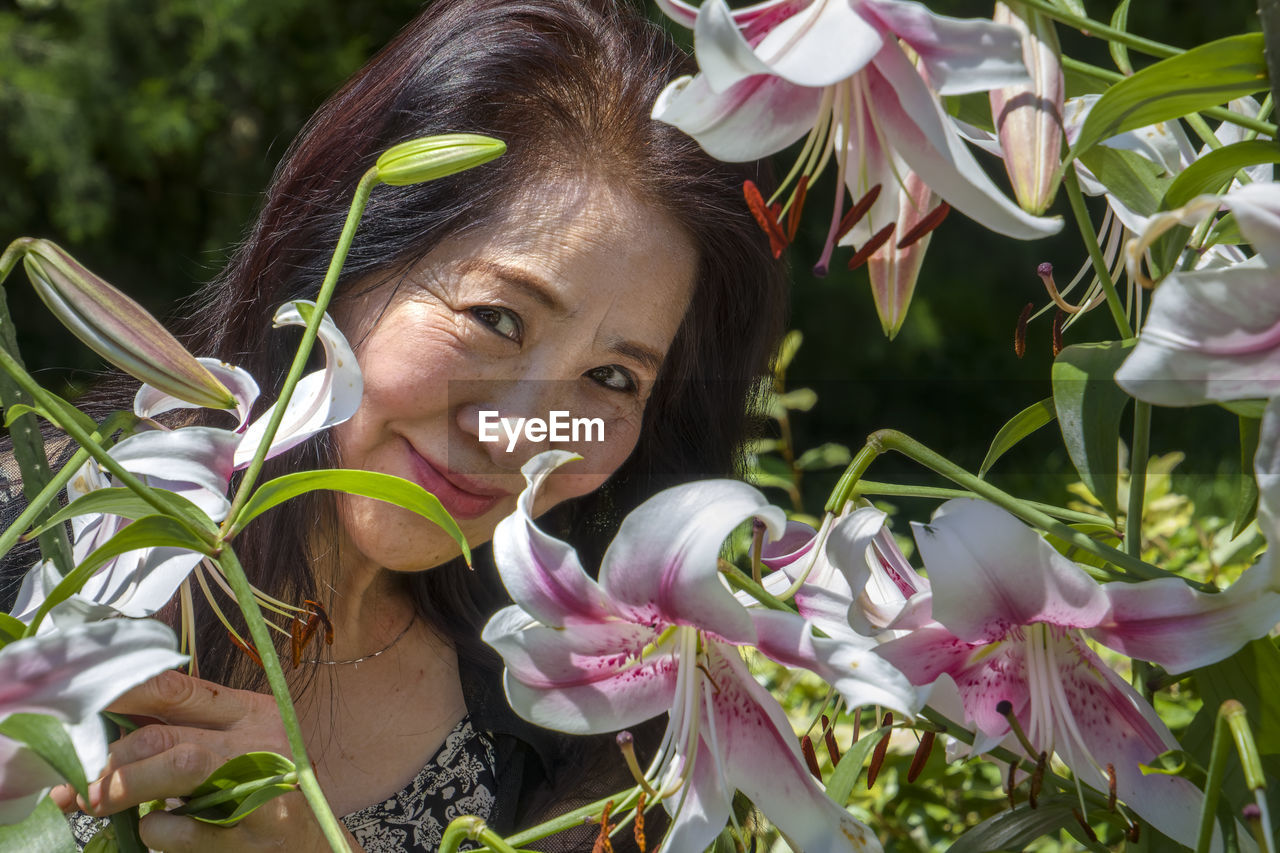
x,y
660,631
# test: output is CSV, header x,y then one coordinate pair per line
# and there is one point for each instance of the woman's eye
x,y
502,321
614,378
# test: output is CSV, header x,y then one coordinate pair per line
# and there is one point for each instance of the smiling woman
x,y
605,267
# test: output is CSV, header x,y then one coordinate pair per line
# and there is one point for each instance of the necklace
x,y
385,648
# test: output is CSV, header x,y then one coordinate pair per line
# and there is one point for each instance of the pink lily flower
x,y
837,71
660,633
196,463
71,675
1007,618
1212,334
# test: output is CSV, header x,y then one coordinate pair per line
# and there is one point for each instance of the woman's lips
x,y
462,497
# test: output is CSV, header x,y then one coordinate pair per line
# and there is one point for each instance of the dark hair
x,y
568,85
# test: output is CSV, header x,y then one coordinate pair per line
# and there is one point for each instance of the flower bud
x,y
431,157
117,328
1028,118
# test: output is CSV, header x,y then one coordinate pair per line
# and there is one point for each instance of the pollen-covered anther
x,y
765,217
626,743
1111,787
829,737
1037,778
921,758
869,248
931,221
1020,331
1010,784
810,757
797,206
638,825
603,844
854,214
878,754
1088,830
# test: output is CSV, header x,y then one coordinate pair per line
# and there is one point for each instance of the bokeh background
x,y
139,134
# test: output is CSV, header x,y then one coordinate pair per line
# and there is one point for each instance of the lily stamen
x,y
869,248
765,217
810,756
829,737
626,743
931,221
1020,331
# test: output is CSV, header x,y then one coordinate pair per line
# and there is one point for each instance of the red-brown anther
x,y
829,736
1088,830
1037,778
603,844
1020,331
797,205
921,758
1058,317
1111,787
869,248
765,218
854,214
878,754
1134,832
248,650
924,226
811,757
639,822
318,610
1009,784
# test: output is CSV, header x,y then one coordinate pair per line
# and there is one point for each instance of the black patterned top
x,y
458,780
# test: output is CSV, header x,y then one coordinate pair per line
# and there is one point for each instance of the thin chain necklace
x,y
385,648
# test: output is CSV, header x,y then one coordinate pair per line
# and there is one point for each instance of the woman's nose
x,y
513,424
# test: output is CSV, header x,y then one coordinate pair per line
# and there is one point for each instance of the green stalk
x,y
1133,514
1090,237
741,580
569,820
235,792
307,781
1257,125
88,442
363,189
1101,30
844,489
867,487
886,439
471,828
1269,16
47,497
1217,767
1251,764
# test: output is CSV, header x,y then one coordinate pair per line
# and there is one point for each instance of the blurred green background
x,y
139,133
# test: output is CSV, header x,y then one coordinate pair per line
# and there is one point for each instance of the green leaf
x,y
1247,493
1176,762
787,351
1089,405
151,530
123,502
840,785
45,830
1120,52
48,739
62,413
1214,170
1252,677
829,455
971,108
10,629
1015,829
799,400
238,787
1135,180
1203,77
1019,427
369,484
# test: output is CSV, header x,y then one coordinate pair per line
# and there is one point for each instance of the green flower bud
x,y
117,328
431,157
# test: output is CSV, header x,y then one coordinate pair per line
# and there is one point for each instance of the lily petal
x,y
990,573
586,678
750,120
961,55
194,462
541,572
1257,210
149,401
664,558
320,400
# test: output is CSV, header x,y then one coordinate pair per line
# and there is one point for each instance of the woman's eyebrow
x,y
650,358
530,284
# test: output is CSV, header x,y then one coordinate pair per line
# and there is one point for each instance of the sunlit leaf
x,y
1018,427
47,738
240,786
1089,405
1016,828
1213,170
840,785
45,830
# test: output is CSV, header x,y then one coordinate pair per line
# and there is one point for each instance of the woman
x,y
604,266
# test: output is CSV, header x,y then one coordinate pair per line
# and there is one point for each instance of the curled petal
x,y
586,678
138,583
149,401
664,558
542,573
990,573
1257,210
796,540
320,400
961,55
749,120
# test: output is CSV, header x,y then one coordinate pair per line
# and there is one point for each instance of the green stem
x,y
1213,782
234,573
1257,125
471,828
1269,16
363,189
867,487
741,580
621,803
1137,478
87,441
1090,237
1101,30
885,439
47,496
843,491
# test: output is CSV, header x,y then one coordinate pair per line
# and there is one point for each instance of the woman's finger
x,y
175,834
155,739
172,773
180,699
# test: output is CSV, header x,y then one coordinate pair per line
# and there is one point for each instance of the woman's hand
x,y
202,725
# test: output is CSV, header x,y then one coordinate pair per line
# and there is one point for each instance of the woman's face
x,y
568,305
